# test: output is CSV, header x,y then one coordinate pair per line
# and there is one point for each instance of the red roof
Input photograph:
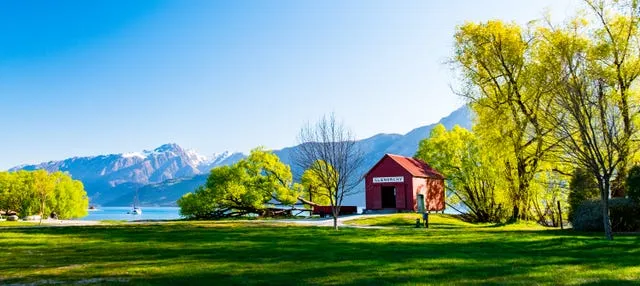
x,y
416,167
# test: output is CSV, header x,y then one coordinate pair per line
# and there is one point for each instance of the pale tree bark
x,y
586,110
330,150
618,23
605,193
594,131
589,120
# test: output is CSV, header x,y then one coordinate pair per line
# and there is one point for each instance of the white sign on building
x,y
399,179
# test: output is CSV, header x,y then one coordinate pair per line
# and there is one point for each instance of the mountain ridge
x,y
106,175
374,148
163,175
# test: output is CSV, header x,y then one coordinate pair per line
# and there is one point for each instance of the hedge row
x,y
624,213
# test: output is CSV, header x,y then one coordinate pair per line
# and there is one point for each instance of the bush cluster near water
x,y
41,193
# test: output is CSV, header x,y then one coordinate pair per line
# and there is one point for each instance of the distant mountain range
x,y
165,174
108,177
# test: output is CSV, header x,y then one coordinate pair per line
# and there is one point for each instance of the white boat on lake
x,y
135,210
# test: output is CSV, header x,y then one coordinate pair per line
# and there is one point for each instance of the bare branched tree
x,y
587,117
594,132
586,112
618,64
329,150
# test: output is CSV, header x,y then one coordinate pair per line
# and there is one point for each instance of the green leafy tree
x,y
38,192
564,94
315,190
583,187
548,188
199,204
473,177
633,183
614,58
25,193
271,178
504,89
584,110
69,199
44,186
9,187
249,186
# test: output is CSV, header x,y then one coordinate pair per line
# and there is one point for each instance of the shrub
x,y
624,214
583,187
633,183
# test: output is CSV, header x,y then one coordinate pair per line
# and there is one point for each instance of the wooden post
x,y
560,212
425,216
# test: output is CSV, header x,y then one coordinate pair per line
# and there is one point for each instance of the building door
x,y
388,197
421,203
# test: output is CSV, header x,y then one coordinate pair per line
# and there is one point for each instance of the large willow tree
x,y
614,58
473,179
505,91
553,94
594,104
39,192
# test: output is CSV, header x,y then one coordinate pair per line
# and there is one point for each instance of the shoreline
x,y
64,222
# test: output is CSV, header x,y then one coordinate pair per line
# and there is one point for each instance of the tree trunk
x,y
41,211
335,211
604,194
516,213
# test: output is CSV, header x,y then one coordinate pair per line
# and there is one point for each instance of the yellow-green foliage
x,y
515,78
38,192
547,189
244,187
318,182
473,171
507,95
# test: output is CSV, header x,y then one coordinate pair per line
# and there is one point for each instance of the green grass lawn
x,y
439,221
16,223
222,253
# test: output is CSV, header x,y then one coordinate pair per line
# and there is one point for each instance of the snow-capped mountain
x,y
164,174
166,193
134,169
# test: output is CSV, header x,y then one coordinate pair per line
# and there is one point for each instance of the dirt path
x,y
328,222
320,222
62,222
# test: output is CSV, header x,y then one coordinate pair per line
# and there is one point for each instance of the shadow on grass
x,y
227,253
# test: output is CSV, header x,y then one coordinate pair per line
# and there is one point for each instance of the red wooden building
x,y
404,184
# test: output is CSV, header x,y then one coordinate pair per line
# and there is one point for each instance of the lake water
x,y
120,213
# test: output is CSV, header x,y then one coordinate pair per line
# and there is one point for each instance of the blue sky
x,y
93,77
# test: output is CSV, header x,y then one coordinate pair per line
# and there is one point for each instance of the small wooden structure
x,y
326,210
404,184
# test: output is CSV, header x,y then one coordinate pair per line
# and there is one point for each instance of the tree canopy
x,y
473,177
315,189
555,97
329,150
39,192
250,186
